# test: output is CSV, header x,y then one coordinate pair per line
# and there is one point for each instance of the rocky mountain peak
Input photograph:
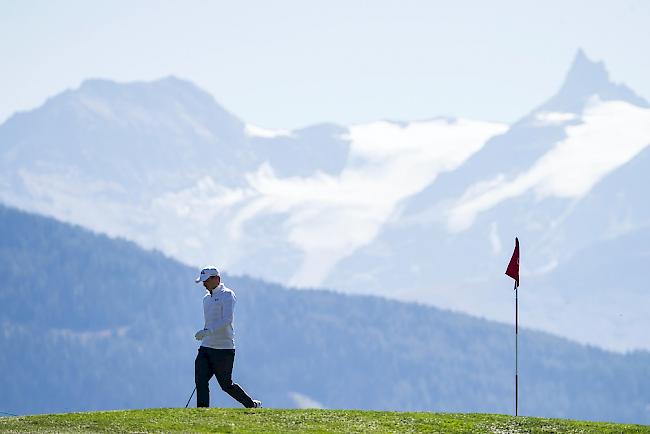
x,y
585,79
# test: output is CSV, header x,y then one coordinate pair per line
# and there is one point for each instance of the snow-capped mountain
x,y
424,210
151,162
567,178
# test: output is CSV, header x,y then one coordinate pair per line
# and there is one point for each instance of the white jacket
x,y
219,314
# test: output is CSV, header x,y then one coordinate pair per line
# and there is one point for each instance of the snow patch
x,y
610,135
255,131
100,107
304,401
198,128
331,216
495,241
554,118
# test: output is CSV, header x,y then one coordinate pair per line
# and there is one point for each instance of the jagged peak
x,y
587,78
583,67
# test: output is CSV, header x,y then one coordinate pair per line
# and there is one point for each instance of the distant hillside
x,y
88,322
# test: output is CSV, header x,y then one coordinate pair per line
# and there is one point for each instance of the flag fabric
x,y
513,266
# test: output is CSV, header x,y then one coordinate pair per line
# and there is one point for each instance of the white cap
x,y
207,272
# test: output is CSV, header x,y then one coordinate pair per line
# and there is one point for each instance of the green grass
x,y
309,421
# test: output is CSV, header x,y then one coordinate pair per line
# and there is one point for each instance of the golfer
x,y
217,351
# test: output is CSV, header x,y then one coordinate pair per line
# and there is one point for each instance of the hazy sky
x,y
286,64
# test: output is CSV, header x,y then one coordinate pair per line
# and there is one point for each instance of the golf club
x,y
188,401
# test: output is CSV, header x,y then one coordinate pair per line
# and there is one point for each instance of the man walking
x,y
217,351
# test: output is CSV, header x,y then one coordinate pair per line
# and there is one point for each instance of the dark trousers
x,y
211,362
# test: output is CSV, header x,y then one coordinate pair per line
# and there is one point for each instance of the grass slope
x,y
312,421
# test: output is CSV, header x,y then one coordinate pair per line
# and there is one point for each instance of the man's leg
x,y
202,375
223,363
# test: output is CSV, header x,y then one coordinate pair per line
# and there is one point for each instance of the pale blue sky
x,y
286,64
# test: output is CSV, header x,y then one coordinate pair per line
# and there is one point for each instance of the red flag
x,y
513,266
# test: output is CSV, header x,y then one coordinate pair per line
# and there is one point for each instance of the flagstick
x,y
513,271
516,349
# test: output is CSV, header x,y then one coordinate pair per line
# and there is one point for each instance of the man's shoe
x,y
257,404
